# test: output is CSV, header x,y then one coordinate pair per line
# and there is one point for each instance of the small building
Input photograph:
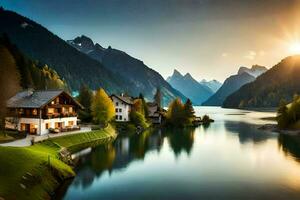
x,y
123,105
154,113
37,112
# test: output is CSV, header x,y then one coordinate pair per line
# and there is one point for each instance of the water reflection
x,y
290,145
126,149
180,140
230,159
248,133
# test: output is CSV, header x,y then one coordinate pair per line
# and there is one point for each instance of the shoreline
x,y
45,165
274,128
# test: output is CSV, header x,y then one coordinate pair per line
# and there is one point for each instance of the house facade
x,y
155,113
123,105
38,112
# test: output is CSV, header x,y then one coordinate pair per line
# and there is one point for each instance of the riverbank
x,y
35,172
274,128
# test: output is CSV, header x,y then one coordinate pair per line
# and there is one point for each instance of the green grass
x,y
16,163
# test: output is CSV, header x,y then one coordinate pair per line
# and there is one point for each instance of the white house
x,y
123,105
35,112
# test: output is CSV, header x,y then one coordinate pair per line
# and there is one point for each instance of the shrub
x,y
138,119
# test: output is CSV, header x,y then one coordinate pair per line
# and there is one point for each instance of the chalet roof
x,y
153,110
125,99
35,99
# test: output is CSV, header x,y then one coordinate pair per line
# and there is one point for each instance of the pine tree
x,y
158,97
9,80
189,112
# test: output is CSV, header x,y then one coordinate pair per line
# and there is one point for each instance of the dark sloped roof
x,y
35,99
125,99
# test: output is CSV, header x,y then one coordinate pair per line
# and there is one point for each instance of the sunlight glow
x,y
295,48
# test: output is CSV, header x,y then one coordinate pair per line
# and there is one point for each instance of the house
x,y
155,113
37,112
123,105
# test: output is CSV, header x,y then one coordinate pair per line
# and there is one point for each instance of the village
x,y
40,114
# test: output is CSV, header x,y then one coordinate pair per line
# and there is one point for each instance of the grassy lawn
x,y
25,172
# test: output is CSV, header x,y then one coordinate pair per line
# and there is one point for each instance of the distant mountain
x,y
233,83
255,70
281,82
214,85
144,79
188,86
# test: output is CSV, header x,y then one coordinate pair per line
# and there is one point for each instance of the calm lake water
x,y
230,159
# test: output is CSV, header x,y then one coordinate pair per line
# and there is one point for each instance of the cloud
x,y
250,55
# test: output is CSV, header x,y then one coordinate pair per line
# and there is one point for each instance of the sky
x,y
210,39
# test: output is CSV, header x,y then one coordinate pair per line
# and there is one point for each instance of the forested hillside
x,y
75,67
281,82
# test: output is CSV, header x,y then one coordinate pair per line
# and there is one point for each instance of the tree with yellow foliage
x,y
103,109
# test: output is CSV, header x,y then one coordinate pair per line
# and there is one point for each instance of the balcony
x,y
59,115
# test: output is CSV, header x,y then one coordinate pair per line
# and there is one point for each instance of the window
x,y
120,109
120,117
70,109
117,117
34,111
70,123
117,103
50,110
116,110
21,111
57,100
47,125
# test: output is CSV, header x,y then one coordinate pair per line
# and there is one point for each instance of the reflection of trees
x,y
180,139
247,132
290,145
125,149
116,155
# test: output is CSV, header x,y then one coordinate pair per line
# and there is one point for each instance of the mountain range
x,y
214,85
233,83
119,72
191,88
145,79
281,82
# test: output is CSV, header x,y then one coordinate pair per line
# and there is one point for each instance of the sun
x,y
295,48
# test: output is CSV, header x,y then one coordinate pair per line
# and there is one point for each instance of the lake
x,y
230,159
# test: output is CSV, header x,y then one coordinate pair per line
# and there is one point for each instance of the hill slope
x,y
144,79
233,83
188,86
280,82
75,67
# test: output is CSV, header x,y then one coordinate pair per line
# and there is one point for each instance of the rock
x,y
269,127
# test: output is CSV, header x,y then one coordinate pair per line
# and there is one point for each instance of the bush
x,y
138,119
206,119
